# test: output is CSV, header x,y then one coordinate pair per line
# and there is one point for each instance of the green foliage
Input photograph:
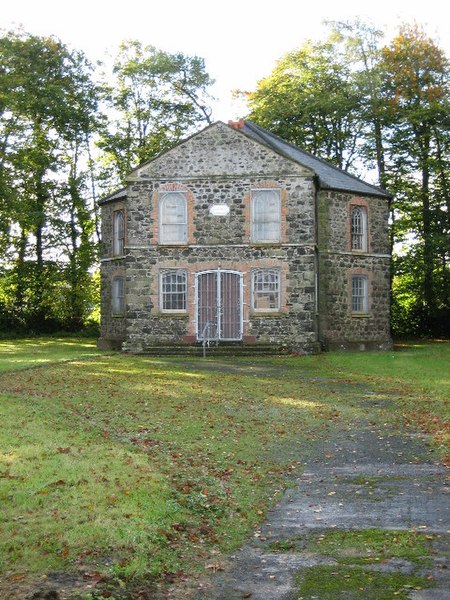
x,y
158,98
55,310
362,105
311,100
49,105
50,117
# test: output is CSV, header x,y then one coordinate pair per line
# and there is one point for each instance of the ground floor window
x,y
173,285
118,296
360,294
266,290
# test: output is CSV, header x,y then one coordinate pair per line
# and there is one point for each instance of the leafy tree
x,y
363,106
417,93
156,98
311,99
48,104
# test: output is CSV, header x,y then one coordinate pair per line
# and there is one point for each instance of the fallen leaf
x,y
214,566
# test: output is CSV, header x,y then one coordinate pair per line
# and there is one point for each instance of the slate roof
x,y
330,177
117,195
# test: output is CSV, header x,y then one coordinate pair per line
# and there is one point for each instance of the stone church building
x,y
237,237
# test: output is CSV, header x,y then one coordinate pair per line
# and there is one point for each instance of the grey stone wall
x,y
298,200
218,152
339,328
294,326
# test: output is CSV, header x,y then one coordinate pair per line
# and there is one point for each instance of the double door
x,y
219,305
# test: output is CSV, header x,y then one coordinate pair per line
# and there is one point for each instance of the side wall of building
x,y
341,327
112,326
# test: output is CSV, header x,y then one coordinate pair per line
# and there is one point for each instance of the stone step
x,y
215,350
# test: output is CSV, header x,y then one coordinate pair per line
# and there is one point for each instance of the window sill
x,y
173,315
356,315
265,244
118,316
266,313
112,258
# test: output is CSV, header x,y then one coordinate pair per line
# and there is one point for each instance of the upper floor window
x,y
172,218
266,290
358,229
265,215
118,296
173,290
118,232
360,294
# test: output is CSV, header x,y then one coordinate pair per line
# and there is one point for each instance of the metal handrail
x,y
206,339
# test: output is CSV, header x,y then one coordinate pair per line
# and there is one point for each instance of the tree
x,y
363,106
417,95
155,100
311,99
48,104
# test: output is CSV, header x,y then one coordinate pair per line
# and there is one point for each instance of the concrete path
x,y
362,479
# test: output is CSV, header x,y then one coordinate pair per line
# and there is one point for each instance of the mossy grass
x,y
371,545
134,467
354,583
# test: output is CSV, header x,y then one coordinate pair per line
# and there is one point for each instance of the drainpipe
x,y
316,258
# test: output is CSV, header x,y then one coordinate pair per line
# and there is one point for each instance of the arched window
x,y
118,232
118,296
172,218
266,215
266,290
359,228
173,290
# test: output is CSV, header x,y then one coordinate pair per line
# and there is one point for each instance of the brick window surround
x,y
155,214
247,201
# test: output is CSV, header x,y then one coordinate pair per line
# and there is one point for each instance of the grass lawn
x,y
29,352
120,469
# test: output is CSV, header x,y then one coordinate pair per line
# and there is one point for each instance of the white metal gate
x,y
218,305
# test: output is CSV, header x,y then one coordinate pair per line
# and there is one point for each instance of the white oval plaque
x,y
219,210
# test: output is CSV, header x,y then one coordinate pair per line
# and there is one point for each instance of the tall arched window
x,y
118,232
172,218
118,296
359,228
266,215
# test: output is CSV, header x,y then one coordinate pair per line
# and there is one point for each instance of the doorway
x,y
218,296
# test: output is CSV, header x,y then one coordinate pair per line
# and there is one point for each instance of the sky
x,y
240,40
